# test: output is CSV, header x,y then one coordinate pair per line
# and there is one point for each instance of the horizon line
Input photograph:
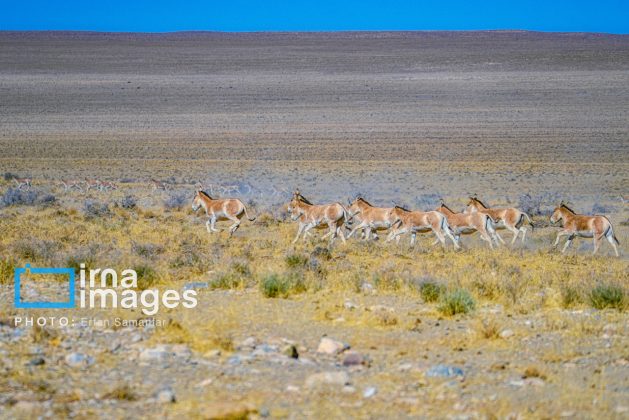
x,y
208,31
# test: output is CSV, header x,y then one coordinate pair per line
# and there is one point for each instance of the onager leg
x,y
360,226
301,229
212,227
612,241
235,226
515,232
597,242
568,242
523,230
559,235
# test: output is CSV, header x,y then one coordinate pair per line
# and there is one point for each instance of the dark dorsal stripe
x,y
447,208
568,208
480,202
402,208
303,199
364,201
205,194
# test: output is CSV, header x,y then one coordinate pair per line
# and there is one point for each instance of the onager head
x,y
560,213
197,201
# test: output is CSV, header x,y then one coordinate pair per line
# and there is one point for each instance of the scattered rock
x,y
228,410
155,353
506,334
348,389
339,378
353,358
24,406
292,388
369,392
290,351
249,342
181,350
196,285
367,288
205,382
349,305
381,308
405,367
166,396
78,360
621,409
212,353
330,346
444,371
36,361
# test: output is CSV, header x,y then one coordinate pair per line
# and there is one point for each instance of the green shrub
x,y
570,296
7,265
295,260
430,290
608,296
147,276
456,302
237,277
275,285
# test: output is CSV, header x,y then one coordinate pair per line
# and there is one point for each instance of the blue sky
x,y
321,15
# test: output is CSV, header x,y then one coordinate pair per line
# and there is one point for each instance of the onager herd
x,y
360,216
443,222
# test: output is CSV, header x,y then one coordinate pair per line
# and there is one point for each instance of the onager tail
x,y
445,226
528,219
251,219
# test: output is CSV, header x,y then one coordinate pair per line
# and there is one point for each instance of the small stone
x,y
506,334
534,382
36,361
444,371
330,346
327,378
369,392
159,352
210,354
166,395
205,383
249,342
228,410
405,367
292,388
78,360
24,406
367,288
354,358
349,305
348,389
196,285
181,350
264,412
290,351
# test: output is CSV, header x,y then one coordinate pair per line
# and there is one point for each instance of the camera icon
x,y
19,271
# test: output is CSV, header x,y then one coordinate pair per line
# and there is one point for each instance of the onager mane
x,y
364,201
205,194
563,206
479,202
